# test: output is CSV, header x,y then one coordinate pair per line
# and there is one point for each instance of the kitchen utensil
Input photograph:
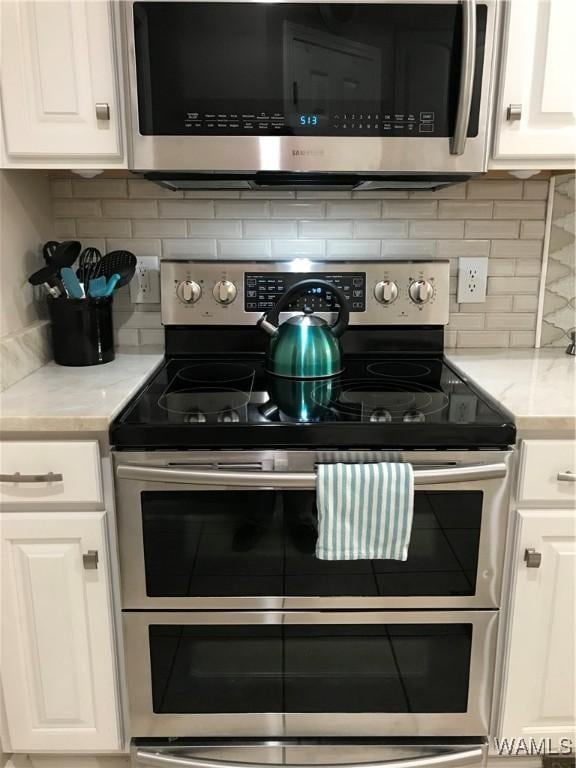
x,y
44,275
52,290
66,253
305,346
48,250
111,284
122,263
88,265
71,283
96,287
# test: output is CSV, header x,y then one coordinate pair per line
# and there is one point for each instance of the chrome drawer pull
x,y
16,477
566,477
301,480
467,757
90,560
102,111
514,112
532,558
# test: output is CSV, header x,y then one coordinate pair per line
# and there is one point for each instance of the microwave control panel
x,y
359,122
238,293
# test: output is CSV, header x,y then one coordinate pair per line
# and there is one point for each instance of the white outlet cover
x,y
145,285
472,279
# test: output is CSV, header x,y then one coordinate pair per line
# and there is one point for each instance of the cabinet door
x,y
540,679
538,74
57,65
58,663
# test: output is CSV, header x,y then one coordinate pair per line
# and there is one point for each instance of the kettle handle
x,y
299,289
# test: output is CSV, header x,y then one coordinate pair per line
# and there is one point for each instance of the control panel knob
x,y
420,291
225,292
386,291
188,291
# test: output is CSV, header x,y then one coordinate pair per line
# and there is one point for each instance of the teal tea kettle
x,y
305,346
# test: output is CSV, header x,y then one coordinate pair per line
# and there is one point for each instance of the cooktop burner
x,y
388,402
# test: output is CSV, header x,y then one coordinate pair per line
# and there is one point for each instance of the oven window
x,y
332,668
261,543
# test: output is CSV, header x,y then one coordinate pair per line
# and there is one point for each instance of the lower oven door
x,y
333,753
309,674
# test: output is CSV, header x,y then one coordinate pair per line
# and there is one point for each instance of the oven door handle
x,y
296,480
467,71
450,760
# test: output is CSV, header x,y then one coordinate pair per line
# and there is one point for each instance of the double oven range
x,y
241,646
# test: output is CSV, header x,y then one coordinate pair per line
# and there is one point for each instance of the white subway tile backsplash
x,y
189,248
354,209
103,227
130,209
126,337
298,210
324,229
495,190
492,229
289,249
159,228
409,209
242,209
99,188
382,228
73,208
270,228
353,249
437,229
216,228
186,209
244,249
501,218
461,209
520,210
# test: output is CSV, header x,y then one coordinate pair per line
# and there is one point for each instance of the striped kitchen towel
x,y
364,511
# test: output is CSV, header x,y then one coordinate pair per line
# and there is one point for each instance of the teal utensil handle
x,y
96,287
111,284
71,283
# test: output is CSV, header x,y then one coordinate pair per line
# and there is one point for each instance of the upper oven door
x,y
386,86
195,536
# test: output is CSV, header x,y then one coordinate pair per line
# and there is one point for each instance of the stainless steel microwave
x,y
239,92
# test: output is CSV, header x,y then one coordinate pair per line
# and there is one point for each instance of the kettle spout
x,y
267,326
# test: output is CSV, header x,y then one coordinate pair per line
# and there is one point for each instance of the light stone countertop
x,y
86,399
537,385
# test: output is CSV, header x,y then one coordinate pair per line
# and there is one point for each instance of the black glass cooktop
x,y
377,402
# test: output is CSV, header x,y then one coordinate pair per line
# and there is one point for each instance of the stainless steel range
x,y
233,629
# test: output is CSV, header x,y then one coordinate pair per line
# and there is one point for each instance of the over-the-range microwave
x,y
251,93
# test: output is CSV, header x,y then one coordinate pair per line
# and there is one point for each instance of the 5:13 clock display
x,y
308,120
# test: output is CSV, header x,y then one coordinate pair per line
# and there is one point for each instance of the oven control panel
x,y
411,292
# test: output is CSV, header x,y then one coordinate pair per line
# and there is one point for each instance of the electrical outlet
x,y
472,280
145,285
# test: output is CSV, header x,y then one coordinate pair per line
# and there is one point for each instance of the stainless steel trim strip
x,y
300,480
16,477
458,143
440,761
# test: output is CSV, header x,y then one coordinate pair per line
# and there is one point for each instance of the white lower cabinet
x,y
539,696
58,668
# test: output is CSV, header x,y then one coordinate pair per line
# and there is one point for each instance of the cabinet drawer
x,y
545,469
53,475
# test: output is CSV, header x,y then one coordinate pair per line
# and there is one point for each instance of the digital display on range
x,y
262,291
308,120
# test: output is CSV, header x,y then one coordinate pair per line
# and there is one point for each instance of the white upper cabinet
x,y
60,91
535,116
58,656
540,674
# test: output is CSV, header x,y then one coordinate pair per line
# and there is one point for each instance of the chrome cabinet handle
x,y
90,560
566,477
466,757
532,558
302,480
16,477
468,67
102,111
514,112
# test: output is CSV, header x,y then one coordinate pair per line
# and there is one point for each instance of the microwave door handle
x,y
295,480
450,760
467,70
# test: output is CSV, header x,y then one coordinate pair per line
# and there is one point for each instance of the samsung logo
x,y
307,152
